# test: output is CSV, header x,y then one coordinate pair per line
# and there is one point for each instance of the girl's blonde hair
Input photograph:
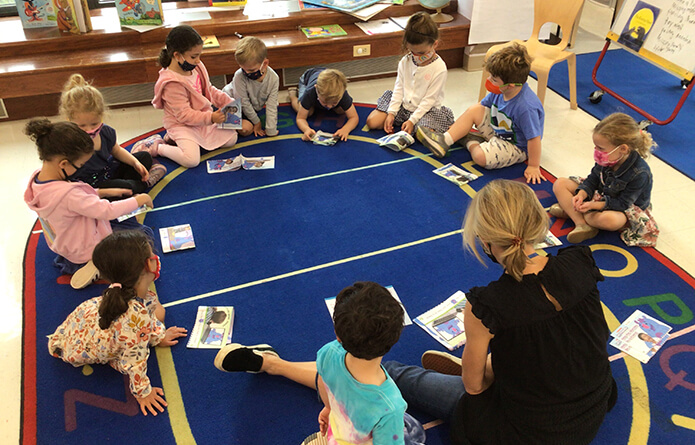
x,y
619,128
507,214
79,96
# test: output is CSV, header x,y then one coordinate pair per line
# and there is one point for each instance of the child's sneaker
x,y
237,358
149,145
315,439
556,211
581,233
84,276
157,172
441,362
432,140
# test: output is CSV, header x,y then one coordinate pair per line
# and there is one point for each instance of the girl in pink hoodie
x,y
73,217
187,97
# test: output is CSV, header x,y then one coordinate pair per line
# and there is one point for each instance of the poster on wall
x,y
501,20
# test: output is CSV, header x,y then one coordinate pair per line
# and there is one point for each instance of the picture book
x,y
142,209
73,16
210,42
455,174
36,13
640,336
233,115
342,5
330,304
549,241
444,322
369,12
139,12
380,26
176,238
396,141
323,138
213,327
313,32
233,164
637,28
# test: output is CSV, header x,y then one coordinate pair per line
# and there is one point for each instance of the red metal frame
x,y
630,104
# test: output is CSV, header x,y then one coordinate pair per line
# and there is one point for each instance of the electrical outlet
x,y
361,50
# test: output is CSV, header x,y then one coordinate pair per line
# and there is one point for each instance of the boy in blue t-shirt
x,y
509,120
362,403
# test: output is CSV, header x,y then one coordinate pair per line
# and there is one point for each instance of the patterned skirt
x,y
438,119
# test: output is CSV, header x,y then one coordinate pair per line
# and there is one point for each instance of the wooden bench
x,y
35,63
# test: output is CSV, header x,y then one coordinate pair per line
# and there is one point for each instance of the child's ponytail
x,y
420,29
79,96
180,39
60,139
120,258
619,128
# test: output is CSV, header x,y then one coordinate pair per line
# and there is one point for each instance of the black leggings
x,y
127,177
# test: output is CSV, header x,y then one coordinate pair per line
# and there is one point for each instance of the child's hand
x,y
342,134
533,175
308,134
218,117
591,205
142,171
171,335
323,419
408,127
258,130
388,123
152,401
114,193
578,200
144,199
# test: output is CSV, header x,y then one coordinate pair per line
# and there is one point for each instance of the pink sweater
x,y
73,217
187,113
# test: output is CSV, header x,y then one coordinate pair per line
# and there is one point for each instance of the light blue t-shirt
x,y
359,411
518,119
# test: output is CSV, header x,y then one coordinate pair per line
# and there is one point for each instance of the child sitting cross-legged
x,y
362,403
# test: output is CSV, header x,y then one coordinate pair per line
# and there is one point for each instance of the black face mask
x,y
255,75
186,66
488,251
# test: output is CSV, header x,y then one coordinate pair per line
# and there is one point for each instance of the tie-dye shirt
x,y
360,413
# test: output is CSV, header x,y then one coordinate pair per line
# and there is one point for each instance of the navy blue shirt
x,y
310,98
98,168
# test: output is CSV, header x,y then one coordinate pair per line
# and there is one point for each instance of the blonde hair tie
x,y
118,285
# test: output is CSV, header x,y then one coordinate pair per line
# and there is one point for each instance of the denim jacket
x,y
630,184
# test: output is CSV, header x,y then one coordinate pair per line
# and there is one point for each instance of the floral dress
x,y
125,344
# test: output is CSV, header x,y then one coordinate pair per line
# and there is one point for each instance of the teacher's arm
x,y
476,366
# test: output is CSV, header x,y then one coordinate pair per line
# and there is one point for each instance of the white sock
x,y
448,139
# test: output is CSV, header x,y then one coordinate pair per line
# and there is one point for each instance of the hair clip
x,y
516,241
118,285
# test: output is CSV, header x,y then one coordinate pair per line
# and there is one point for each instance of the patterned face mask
x,y
422,58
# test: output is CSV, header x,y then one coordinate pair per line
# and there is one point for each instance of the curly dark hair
x,y
368,320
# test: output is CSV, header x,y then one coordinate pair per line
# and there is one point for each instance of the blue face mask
x,y
186,66
255,75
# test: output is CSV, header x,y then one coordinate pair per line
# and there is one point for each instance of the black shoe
x,y
237,358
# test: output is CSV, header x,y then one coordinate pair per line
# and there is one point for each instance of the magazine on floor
x,y
444,322
142,209
397,141
549,241
640,336
213,327
324,138
330,304
247,163
455,174
176,238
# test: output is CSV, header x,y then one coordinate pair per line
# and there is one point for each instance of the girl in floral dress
x,y
119,326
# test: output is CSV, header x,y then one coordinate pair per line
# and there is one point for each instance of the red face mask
x,y
157,269
491,87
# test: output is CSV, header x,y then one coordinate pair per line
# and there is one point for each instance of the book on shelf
x,y
233,164
324,138
138,12
73,16
444,322
313,32
330,304
379,26
640,336
455,174
36,13
232,111
213,327
342,5
210,42
240,3
176,238
396,141
368,12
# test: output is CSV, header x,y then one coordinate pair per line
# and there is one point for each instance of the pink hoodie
x,y
187,113
73,217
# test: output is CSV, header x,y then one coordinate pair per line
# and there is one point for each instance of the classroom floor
x,y
567,149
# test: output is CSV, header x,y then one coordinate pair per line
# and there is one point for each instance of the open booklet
x,y
213,327
176,238
323,138
232,113
640,336
330,304
549,241
396,141
455,174
444,322
233,164
142,209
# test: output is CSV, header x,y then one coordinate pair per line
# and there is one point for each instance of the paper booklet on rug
x,y
330,304
640,336
455,174
444,322
142,209
213,327
549,241
176,238
233,164
323,138
232,113
396,141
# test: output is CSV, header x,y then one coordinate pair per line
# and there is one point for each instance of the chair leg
x,y
542,84
572,74
483,91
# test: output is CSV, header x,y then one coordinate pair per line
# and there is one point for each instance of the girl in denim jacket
x,y
616,195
